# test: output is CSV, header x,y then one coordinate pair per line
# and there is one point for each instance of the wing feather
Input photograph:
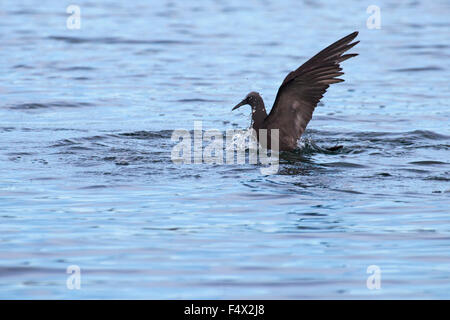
x,y
303,88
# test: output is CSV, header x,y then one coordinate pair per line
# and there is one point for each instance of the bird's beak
x,y
240,104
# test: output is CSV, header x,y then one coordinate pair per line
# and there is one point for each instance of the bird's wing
x,y
302,89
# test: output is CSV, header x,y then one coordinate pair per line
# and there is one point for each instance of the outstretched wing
x,y
303,88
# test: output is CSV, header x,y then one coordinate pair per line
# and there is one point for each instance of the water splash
x,y
242,140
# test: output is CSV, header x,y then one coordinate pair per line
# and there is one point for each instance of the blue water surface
x,y
86,176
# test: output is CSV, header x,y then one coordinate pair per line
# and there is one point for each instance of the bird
x,y
299,95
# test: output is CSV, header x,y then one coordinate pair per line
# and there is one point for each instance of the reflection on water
x,y
86,120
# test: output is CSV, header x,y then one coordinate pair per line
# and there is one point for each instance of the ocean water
x,y
87,180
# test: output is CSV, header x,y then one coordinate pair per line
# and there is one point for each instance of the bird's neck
x,y
258,113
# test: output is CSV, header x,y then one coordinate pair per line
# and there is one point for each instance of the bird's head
x,y
250,99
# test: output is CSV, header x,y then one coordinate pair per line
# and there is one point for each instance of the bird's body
x,y
299,94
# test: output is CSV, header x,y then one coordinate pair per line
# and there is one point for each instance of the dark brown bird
x,y
299,94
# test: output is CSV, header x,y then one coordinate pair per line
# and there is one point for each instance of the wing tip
x,y
353,34
348,38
